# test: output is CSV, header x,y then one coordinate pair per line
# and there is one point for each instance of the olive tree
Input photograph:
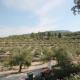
x,y
47,56
64,58
20,57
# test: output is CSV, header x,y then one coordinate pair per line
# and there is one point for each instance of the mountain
x,y
65,33
60,31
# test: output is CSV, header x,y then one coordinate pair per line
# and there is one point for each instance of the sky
x,y
26,16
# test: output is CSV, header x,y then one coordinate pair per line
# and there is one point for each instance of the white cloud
x,y
23,4
49,5
7,30
41,9
43,12
32,4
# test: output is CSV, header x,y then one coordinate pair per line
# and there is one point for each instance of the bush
x,y
73,77
63,58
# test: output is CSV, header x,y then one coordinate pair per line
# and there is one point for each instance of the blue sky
x,y
26,16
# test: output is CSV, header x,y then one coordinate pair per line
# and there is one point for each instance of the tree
x,y
32,35
73,77
20,57
76,7
55,35
47,56
64,58
40,35
59,35
48,35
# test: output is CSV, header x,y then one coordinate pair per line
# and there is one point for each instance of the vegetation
x,y
64,58
76,7
61,46
21,57
74,77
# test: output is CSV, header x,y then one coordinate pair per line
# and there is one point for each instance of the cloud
x,y
49,5
7,30
31,4
23,4
43,12
40,8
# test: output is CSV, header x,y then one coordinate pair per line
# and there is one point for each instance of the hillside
x,y
74,35
41,38
49,38
63,32
48,35
36,42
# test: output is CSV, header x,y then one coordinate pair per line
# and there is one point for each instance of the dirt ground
x,y
34,65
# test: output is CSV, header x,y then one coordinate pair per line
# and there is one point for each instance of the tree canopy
x,y
76,7
20,56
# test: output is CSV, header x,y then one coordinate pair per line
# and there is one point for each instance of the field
x,y
62,47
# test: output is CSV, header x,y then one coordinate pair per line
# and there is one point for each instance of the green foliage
x,y
64,58
73,77
76,7
2,50
47,54
20,56
43,46
32,35
59,35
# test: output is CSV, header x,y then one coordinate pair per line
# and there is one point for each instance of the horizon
x,y
19,17
38,32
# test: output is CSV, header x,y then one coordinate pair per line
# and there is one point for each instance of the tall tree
x,y
59,35
48,35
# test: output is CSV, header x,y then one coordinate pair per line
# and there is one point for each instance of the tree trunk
x,y
20,68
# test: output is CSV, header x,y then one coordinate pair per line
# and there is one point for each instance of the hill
x,y
74,35
48,38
